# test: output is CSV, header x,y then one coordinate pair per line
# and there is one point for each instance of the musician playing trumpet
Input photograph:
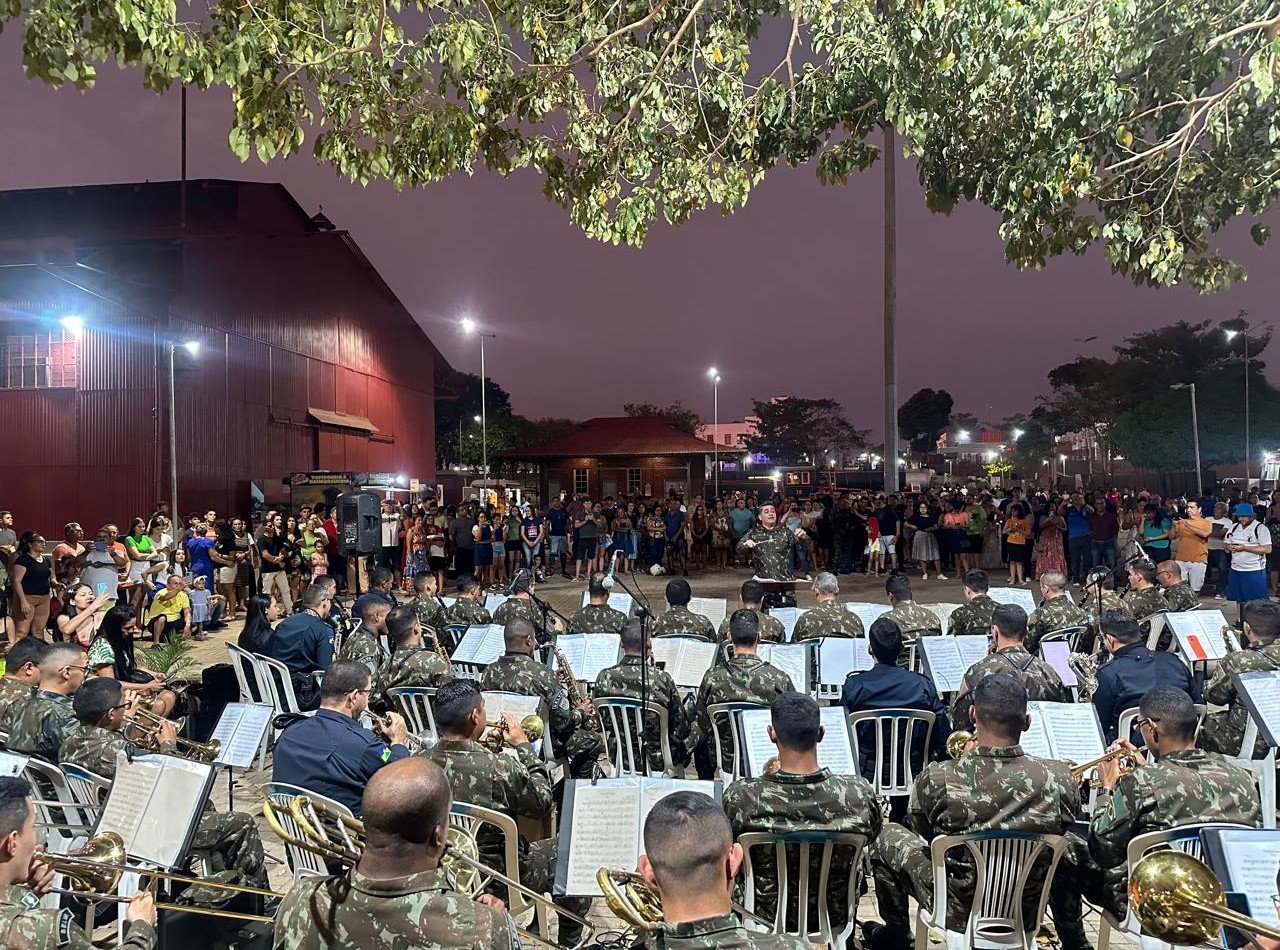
x,y
518,786
1224,732
1182,786
228,839
24,924
397,895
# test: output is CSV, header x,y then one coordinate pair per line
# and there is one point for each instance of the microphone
x,y
607,582
520,581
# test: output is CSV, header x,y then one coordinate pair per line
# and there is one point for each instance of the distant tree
x,y
795,431
1028,451
923,417
963,421
455,418
684,419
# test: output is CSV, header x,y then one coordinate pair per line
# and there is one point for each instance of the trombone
x,y
148,723
1180,901
461,858
96,868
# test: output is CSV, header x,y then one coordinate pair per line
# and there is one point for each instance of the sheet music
x,y
1035,741
1251,859
1261,693
1073,729
154,804
787,616
792,659
589,653
496,703
241,729
943,612
482,644
756,743
1056,653
840,656
835,751
867,612
943,662
654,790
973,648
1013,595
493,601
1199,634
12,764
714,609
686,659
605,832
619,600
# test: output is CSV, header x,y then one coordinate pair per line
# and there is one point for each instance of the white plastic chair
x,y
1003,862
280,687
1127,719
893,732
1071,635
726,730
1263,769
1184,838
302,862
68,823
471,817
88,788
808,848
622,721
414,703
1154,624
244,663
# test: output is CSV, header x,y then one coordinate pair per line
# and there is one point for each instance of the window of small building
x,y
580,481
38,360
634,482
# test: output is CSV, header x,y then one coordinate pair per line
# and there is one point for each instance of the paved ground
x,y
564,595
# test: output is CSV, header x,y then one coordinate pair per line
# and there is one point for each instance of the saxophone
x,y
564,673
438,645
1085,666
1226,639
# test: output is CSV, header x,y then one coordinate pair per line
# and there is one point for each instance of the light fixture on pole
x,y
1195,428
74,325
193,348
469,326
715,428
1231,335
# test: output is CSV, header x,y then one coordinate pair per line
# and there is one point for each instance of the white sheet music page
x,y
835,751
605,832
1199,634
1035,741
621,601
714,609
1056,653
972,649
156,808
867,612
1013,595
589,653
759,748
241,729
12,764
654,790
943,662
792,659
686,659
1073,729
840,656
448,601
787,616
943,612
1261,691
496,703
1252,860
493,601
574,647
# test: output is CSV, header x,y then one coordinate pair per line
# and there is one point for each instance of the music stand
x,y
779,593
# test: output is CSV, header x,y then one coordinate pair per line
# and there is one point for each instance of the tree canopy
x,y
923,417
796,431
679,415
1141,125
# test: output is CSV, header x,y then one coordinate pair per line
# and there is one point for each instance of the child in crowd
x,y
875,550
319,561
200,598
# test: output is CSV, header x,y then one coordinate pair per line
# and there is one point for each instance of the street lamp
x,y
962,435
469,327
715,427
193,349
1018,434
1231,335
1195,431
74,325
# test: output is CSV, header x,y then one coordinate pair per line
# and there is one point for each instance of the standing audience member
x,y
1248,542
1192,535
32,581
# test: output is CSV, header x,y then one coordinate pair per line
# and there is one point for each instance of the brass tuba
x,y
631,898
1179,900
958,743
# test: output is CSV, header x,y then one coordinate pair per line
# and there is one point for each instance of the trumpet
x,y
461,858
415,742
1180,901
958,743
532,726
148,723
96,868
1078,772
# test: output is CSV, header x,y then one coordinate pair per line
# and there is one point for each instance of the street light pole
x,y
192,347
715,430
470,326
1248,453
1195,429
889,158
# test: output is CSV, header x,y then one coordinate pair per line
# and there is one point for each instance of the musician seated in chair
x,y
691,859
1184,785
228,841
411,663
426,603
363,643
801,796
1132,671
752,596
597,616
24,923
994,787
678,620
521,605
1224,731
37,724
518,786
572,727
397,895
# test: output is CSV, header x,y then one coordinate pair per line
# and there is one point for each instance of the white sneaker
x,y
942,577
924,577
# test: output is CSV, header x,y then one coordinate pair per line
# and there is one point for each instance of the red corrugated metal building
x,y
307,360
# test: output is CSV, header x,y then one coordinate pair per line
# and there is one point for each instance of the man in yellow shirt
x,y
170,611
1192,537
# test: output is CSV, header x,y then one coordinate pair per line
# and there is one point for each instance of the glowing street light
x,y
470,327
962,435
192,347
1018,434
73,324
714,375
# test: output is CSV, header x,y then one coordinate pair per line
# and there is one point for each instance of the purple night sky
x,y
783,297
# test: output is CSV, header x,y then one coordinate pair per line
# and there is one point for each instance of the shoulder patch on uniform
x,y
386,754
66,920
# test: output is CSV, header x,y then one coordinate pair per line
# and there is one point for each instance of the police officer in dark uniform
x,y
331,753
1132,671
304,643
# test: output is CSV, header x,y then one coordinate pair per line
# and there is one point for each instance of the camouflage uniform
x,y
229,841
518,786
39,724
716,933
468,612
25,925
12,690
624,680
771,556
972,618
1041,680
362,645
597,618
784,802
572,731
417,910
827,620
1143,603
914,621
525,609
1180,597
771,628
1182,788
429,613
1056,614
681,621
744,678
1224,732
416,666
988,789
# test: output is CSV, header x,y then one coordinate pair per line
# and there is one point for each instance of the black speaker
x,y
359,523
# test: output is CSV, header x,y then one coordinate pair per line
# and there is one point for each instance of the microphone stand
x,y
643,612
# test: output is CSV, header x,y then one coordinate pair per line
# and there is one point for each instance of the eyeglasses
x,y
1146,722
82,669
119,706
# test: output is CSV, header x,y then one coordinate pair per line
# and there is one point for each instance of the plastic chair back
x,y
88,788
893,736
414,703
622,721
726,730
68,823
472,817
302,862
246,667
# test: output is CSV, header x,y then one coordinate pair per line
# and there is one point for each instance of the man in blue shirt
x,y
557,536
1132,671
741,520
1079,537
304,643
887,686
330,753
673,518
381,584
